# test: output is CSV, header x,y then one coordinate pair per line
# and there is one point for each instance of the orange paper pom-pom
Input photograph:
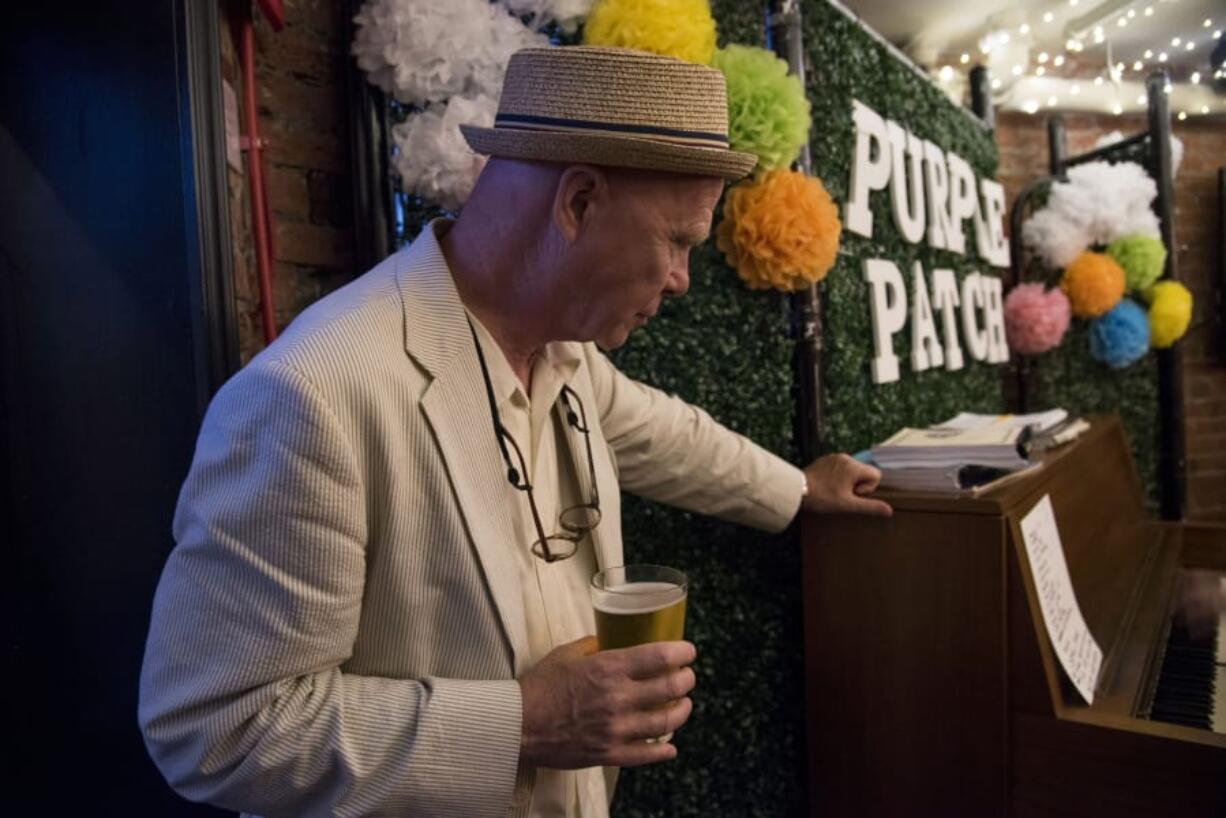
x,y
779,230
1094,283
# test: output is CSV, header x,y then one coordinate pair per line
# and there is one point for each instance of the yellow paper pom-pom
x,y
779,230
1094,283
675,28
1170,312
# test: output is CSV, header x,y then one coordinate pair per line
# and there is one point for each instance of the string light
x,y
1149,11
1195,78
1190,46
1208,23
1075,90
1162,57
1149,55
1098,80
1024,29
947,73
1042,57
1040,71
995,84
1121,22
1048,17
1058,61
1204,109
964,59
1116,109
1141,99
1182,116
1031,106
1138,65
1051,102
1175,42
1017,70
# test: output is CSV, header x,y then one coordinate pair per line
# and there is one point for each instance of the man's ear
x,y
581,194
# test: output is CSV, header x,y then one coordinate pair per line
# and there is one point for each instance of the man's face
x,y
638,252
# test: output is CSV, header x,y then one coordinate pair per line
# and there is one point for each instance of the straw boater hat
x,y
612,106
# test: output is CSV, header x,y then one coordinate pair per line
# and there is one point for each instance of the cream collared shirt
x,y
557,602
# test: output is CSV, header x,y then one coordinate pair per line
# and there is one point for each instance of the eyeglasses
x,y
575,521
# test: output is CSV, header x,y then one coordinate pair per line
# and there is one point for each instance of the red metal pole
x,y
255,170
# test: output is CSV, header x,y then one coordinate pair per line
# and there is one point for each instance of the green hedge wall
x,y
846,64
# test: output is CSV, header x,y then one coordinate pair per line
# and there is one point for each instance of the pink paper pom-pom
x,y
1035,318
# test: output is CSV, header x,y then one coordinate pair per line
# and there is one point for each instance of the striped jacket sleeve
x,y
669,451
242,701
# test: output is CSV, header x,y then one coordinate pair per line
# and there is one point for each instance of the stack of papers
x,y
999,446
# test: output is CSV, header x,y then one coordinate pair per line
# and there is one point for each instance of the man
x,y
368,611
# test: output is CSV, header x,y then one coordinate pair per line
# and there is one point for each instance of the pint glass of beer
x,y
636,604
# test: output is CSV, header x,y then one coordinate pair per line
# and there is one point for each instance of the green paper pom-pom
x,y
1142,259
768,114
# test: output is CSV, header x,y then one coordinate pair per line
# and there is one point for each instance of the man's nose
x,y
678,283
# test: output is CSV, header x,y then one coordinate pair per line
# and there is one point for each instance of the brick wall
x,y
301,103
1023,156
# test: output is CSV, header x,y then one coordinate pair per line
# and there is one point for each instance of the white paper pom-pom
x,y
1099,203
566,13
431,156
423,51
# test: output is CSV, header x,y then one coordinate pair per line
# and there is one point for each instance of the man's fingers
x,y
865,478
645,724
666,688
864,505
654,659
638,753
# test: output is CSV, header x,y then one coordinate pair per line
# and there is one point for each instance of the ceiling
x,y
1049,53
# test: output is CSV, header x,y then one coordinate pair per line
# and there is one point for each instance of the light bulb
x,y
1042,57
964,59
1195,78
1149,11
1058,61
1182,116
1048,17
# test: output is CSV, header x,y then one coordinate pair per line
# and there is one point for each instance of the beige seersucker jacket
x,y
339,628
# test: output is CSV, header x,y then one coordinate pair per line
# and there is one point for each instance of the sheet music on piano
x,y
1075,646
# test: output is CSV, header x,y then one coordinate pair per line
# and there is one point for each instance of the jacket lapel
x,y
455,405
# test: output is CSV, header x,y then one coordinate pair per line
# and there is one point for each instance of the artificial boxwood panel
x,y
846,64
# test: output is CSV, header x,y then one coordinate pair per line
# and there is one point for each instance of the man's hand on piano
x,y
838,483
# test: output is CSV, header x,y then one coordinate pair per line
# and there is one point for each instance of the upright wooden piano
x,y
932,686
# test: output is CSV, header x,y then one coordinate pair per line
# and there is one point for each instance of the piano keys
x,y
932,687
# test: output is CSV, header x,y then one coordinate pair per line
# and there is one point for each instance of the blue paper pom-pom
x,y
1121,336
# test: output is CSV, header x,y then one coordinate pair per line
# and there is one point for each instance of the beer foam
x,y
637,597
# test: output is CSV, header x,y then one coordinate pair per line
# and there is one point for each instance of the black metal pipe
x,y
981,96
1106,150
1057,154
783,27
1171,450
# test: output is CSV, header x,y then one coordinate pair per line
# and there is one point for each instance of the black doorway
x,y
114,331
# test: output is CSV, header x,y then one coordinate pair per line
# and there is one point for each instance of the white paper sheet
x,y
1075,646
969,420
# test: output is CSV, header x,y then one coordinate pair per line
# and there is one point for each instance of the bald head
x,y
593,248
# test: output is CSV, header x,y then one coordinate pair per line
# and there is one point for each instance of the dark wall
x,y
103,380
